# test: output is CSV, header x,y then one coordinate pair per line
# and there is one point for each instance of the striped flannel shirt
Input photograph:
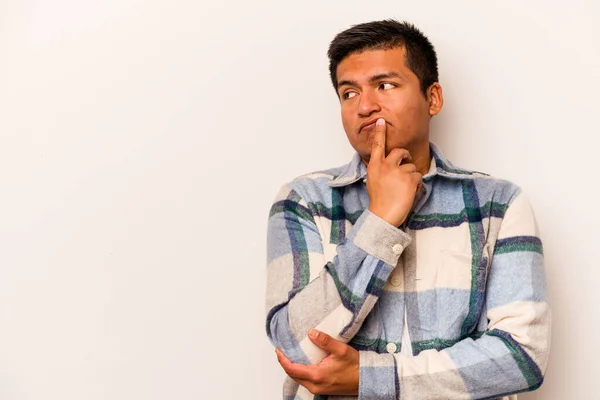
x,y
466,267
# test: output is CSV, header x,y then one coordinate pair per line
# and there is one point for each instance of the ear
x,y
436,99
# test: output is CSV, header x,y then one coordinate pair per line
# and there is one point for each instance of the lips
x,y
368,125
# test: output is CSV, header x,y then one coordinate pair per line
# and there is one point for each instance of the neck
x,y
421,157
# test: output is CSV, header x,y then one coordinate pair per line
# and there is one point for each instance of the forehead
x,y
373,62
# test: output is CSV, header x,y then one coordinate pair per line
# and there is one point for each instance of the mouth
x,y
369,125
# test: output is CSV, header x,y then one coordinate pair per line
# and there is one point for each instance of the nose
x,y
368,103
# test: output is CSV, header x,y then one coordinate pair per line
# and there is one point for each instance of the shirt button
x,y
391,348
396,280
397,249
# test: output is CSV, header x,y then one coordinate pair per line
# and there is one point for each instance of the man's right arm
x,y
305,290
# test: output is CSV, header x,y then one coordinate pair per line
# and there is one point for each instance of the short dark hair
x,y
384,35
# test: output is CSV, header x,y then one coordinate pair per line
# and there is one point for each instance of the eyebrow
x,y
372,79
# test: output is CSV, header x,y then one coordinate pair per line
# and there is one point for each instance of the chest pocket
x,y
444,293
457,279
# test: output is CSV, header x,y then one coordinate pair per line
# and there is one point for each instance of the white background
x,y
142,142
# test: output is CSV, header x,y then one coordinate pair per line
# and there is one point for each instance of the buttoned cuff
x,y
377,377
379,238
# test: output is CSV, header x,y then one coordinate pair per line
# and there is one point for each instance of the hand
x,y
391,185
336,374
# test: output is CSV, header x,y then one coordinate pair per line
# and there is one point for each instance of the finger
x,y
417,178
397,156
327,343
378,141
409,168
294,370
310,386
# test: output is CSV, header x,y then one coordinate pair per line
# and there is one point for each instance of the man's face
x,y
378,84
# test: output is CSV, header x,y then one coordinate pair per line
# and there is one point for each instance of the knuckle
x,y
326,340
344,351
398,153
317,378
409,168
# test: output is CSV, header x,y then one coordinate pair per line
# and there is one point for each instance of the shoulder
x,y
499,197
493,188
480,186
315,185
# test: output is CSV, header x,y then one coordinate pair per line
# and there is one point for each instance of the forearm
x,y
495,365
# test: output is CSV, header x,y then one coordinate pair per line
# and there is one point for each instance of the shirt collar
x,y
352,172
356,169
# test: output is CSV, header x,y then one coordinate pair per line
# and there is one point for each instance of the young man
x,y
398,275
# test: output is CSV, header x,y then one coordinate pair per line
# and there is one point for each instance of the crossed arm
x,y
336,296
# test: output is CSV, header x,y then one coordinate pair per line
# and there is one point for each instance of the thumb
x,y
326,342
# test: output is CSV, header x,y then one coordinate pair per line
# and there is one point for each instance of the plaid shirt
x,y
466,267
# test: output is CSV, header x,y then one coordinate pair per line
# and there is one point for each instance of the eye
x,y
349,95
387,86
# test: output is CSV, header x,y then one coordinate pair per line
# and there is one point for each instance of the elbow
x,y
273,326
535,350
279,331
540,343
282,337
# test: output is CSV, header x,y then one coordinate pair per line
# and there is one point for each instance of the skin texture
x,y
375,86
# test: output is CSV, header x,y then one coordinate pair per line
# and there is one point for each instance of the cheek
x,y
347,121
411,115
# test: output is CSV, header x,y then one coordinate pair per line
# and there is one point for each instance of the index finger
x,y
378,141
